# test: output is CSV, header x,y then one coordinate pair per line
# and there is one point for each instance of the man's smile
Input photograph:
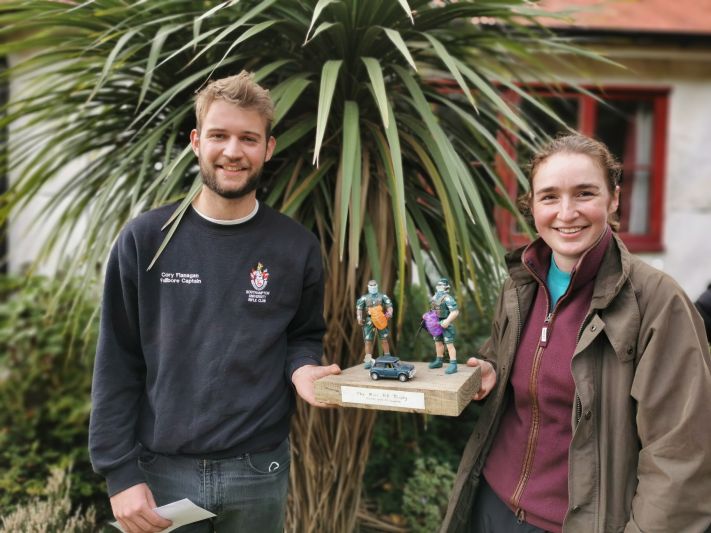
x,y
232,168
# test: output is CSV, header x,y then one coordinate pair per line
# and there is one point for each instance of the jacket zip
x,y
518,313
578,403
520,516
515,499
520,513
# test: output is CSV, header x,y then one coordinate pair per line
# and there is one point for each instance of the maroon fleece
x,y
528,463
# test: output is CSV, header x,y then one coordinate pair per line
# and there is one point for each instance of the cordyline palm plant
x,y
387,113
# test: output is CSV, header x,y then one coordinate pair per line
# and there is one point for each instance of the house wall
x,y
30,227
687,222
686,72
687,206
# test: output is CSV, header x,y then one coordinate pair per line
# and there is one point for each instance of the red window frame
x,y
587,122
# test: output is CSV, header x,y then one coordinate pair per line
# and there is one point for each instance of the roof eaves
x,y
641,36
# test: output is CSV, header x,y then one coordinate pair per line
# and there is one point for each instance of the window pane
x,y
627,131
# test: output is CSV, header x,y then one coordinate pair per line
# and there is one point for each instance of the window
x,y
632,122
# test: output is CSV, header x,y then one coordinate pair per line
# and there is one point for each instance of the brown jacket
x,y
640,457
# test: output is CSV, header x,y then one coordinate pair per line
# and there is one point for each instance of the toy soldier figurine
x,y
375,319
438,322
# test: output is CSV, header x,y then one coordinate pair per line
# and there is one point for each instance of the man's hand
x,y
488,377
133,508
304,377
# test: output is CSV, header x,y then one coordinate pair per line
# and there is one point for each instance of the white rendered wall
x,y
687,206
28,229
686,234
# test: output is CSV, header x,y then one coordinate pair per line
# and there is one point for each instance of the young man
x,y
197,357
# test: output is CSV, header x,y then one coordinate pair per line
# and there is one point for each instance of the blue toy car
x,y
387,366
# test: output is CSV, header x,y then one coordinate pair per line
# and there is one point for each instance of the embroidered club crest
x,y
259,277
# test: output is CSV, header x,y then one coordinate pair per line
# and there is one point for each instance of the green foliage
x,y
45,380
374,154
362,91
472,326
413,343
400,439
52,512
426,494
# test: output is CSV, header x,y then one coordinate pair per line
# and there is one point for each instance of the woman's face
x,y
570,205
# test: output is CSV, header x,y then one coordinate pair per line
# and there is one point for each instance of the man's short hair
x,y
240,90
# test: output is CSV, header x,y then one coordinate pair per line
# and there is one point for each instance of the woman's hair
x,y
575,143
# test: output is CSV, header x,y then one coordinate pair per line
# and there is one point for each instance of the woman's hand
x,y
488,377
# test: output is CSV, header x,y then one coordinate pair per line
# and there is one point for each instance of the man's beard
x,y
209,178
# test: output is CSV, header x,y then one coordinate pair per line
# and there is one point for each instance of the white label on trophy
x,y
388,397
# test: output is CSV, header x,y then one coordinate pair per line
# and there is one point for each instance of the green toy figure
x,y
438,322
379,308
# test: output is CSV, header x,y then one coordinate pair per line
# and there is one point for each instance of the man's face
x,y
232,148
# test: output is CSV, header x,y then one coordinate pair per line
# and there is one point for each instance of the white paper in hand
x,y
181,513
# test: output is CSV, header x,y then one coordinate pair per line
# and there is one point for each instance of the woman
x,y
596,376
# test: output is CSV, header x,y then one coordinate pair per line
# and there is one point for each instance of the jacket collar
x,y
613,271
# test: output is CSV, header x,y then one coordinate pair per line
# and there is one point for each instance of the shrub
x,y
399,439
424,500
51,513
416,344
45,380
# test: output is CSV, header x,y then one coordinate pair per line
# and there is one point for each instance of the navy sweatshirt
x,y
195,356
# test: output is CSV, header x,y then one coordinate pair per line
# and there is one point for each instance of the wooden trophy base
x,y
430,391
